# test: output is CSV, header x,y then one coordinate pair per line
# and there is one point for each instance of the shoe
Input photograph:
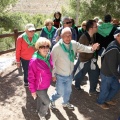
x,y
111,102
78,89
25,84
103,106
69,106
52,105
93,93
41,117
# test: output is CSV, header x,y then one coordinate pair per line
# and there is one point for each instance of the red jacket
x,y
22,49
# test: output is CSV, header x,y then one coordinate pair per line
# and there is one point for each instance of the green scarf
x,y
37,55
104,29
70,51
34,39
49,33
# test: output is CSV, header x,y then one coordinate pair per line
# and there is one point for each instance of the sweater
x,y
23,50
61,63
85,39
111,61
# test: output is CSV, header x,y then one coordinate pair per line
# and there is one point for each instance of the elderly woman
x,y
49,30
40,76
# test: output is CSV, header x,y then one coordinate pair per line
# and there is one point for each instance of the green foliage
x,y
88,9
5,4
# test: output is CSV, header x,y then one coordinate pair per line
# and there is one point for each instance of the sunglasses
x,y
67,22
44,47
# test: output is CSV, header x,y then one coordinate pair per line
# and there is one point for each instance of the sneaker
x,y
69,106
103,106
41,117
26,84
111,102
52,105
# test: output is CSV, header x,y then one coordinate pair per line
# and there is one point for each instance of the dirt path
x,y
16,102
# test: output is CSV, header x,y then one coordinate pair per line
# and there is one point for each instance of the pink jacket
x,y
39,74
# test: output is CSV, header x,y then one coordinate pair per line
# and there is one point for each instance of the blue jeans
x,y
93,76
109,88
25,65
63,88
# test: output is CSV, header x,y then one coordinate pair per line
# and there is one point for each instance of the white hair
x,y
66,29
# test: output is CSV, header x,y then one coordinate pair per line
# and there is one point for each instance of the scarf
x,y
104,29
39,56
49,33
69,51
34,39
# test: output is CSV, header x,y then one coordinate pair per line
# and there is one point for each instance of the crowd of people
x,y
51,55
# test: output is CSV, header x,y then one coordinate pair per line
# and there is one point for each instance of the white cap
x,y
30,27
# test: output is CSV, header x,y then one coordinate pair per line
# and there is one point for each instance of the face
x,y
67,23
84,26
44,49
118,38
57,16
67,36
95,27
30,33
49,26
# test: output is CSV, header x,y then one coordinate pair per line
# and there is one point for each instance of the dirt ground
x,y
16,102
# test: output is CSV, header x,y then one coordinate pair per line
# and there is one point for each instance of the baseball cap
x,y
30,27
116,33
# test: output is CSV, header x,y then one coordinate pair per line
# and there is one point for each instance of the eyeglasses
x,y
32,31
44,47
67,22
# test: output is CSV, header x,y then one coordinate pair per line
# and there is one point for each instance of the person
x,y
74,26
110,76
88,61
48,30
57,19
82,29
105,32
25,49
40,75
63,62
65,23
115,22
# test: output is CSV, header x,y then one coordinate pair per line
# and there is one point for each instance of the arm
x,y
112,60
54,55
32,76
18,50
56,37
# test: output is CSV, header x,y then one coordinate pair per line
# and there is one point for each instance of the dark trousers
x,y
25,65
43,102
93,76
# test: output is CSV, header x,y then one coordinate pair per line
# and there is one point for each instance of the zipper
x,y
40,81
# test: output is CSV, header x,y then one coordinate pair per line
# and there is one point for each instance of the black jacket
x,y
111,60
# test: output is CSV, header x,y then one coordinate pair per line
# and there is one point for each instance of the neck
x,y
90,33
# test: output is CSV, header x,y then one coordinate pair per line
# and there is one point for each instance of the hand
x,y
95,46
119,80
18,65
57,38
34,95
53,79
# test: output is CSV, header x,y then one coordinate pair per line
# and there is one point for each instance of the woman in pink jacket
x,y
40,75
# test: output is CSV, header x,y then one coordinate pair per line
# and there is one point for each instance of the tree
x,y
90,8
